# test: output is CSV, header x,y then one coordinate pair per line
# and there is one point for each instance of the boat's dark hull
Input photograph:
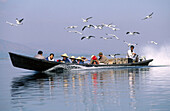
x,y
31,63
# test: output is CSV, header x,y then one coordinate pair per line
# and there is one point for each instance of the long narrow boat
x,y
40,65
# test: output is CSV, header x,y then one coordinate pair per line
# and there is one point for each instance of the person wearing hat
x,y
73,60
79,60
65,58
83,59
50,58
103,58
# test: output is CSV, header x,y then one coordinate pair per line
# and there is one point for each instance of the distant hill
x,y
7,46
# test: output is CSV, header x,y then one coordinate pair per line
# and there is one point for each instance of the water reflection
x,y
80,90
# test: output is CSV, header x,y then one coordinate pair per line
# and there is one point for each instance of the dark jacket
x,y
66,61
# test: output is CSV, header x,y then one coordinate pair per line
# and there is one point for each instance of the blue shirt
x,y
67,60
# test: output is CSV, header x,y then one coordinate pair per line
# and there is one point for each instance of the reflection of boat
x,y
31,63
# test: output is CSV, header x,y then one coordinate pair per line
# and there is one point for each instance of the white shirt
x,y
50,59
38,56
130,54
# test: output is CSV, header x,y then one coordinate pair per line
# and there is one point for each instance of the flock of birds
x,y
103,25
100,27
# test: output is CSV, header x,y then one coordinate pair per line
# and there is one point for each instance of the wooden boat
x,y
40,65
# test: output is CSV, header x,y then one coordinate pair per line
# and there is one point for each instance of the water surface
x,y
119,89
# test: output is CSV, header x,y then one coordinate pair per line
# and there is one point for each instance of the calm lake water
x,y
118,89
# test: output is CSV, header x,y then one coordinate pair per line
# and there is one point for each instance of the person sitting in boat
x,y
39,55
65,58
103,59
50,58
94,60
84,59
79,60
73,60
131,54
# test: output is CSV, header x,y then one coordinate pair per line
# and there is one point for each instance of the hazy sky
x,y
44,22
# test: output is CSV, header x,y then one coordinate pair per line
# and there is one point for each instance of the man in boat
x,y
103,58
65,58
84,59
73,60
51,57
39,55
79,60
131,54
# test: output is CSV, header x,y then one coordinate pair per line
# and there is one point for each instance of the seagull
x,y
98,26
76,32
132,33
87,26
19,21
129,44
115,29
109,25
71,27
149,16
87,37
113,56
113,36
86,20
153,42
105,38
12,24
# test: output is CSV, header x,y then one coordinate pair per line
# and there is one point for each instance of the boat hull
x,y
35,64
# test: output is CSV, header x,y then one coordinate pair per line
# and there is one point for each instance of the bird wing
x,y
89,18
137,32
91,36
84,28
151,14
127,32
91,25
83,38
21,20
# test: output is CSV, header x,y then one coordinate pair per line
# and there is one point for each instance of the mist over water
x,y
160,54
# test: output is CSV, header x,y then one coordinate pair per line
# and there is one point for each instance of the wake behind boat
x,y
41,65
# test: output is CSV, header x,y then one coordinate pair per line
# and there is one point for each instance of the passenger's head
x,y
51,56
132,47
65,56
100,54
72,58
83,58
79,59
40,52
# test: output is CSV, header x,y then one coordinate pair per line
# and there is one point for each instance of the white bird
x,y
86,20
71,27
132,33
87,26
19,22
105,38
98,26
109,25
149,16
129,44
115,29
113,36
12,24
114,55
153,42
74,31
87,37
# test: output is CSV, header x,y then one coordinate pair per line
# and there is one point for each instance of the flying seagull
x,y
74,31
87,26
115,29
86,20
113,36
71,27
149,16
129,44
153,42
109,25
105,38
132,33
12,24
19,22
113,56
87,37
